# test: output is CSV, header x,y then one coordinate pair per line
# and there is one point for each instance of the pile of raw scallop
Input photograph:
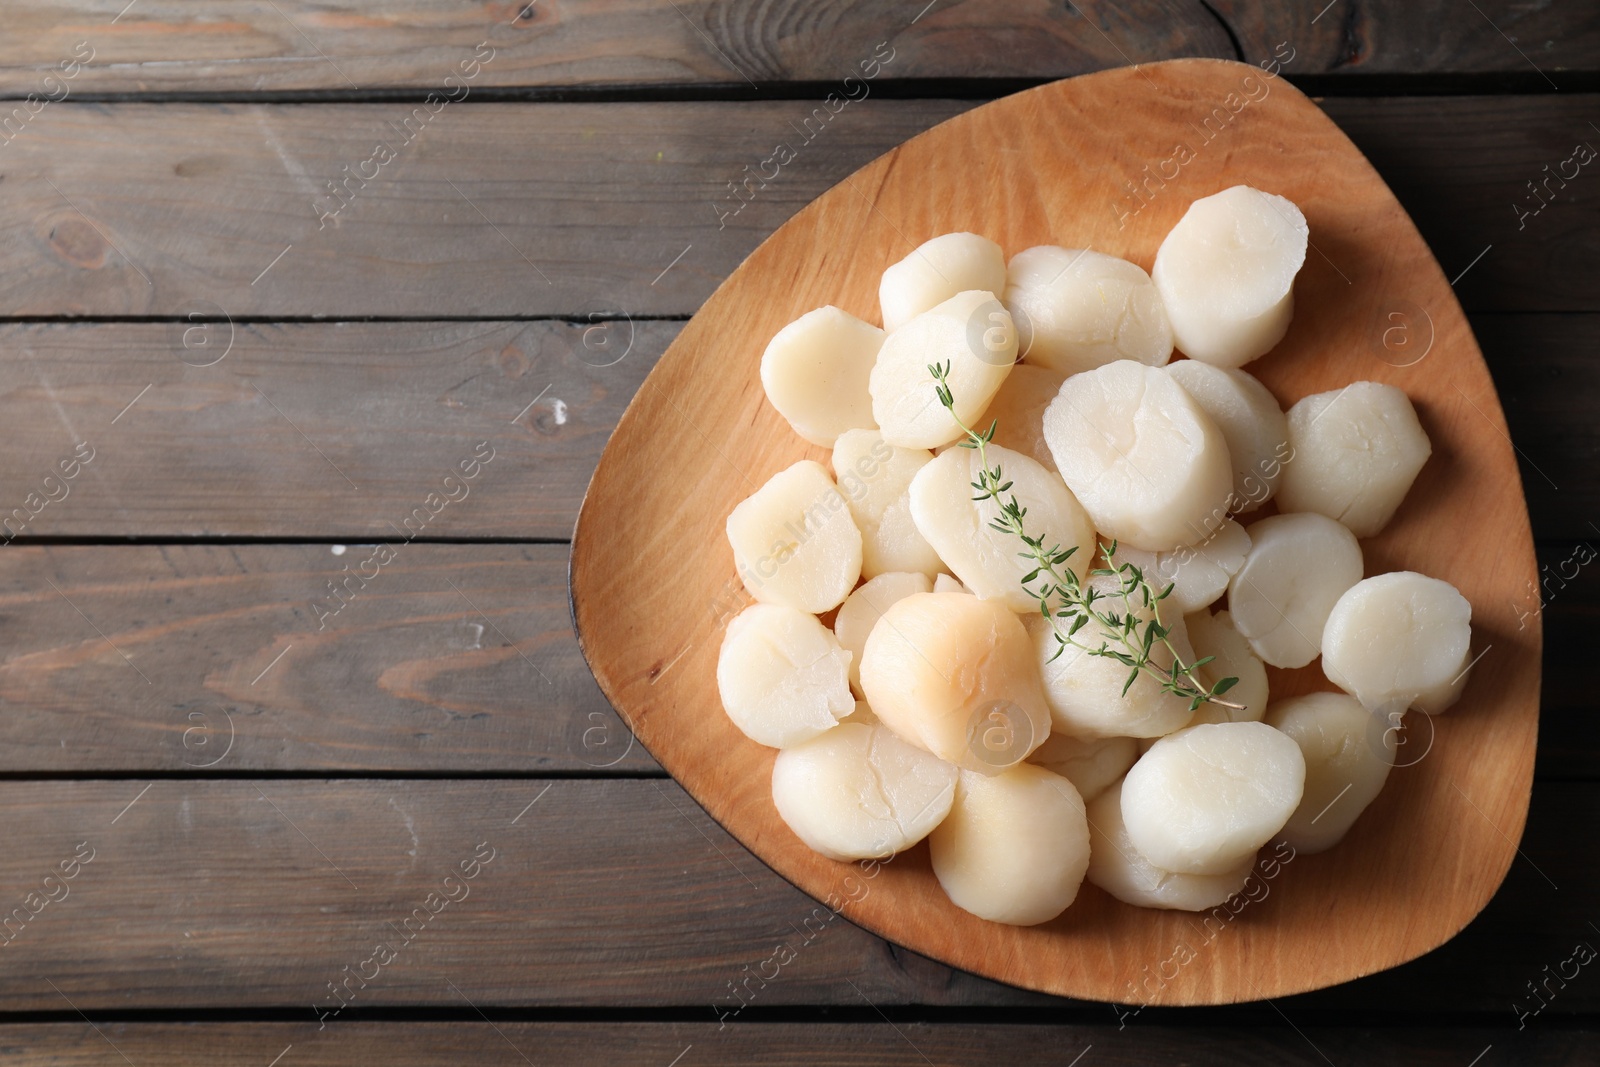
x,y
908,677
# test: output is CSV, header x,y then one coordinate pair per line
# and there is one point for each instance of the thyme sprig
x,y
1069,604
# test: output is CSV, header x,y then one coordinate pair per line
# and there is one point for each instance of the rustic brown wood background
x,y
268,790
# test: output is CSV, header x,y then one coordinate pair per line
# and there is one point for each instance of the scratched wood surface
x,y
189,153
189,46
453,658
513,210
1269,1043
220,659
212,894
342,430
907,1044
301,430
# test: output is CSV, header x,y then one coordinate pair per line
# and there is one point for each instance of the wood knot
x,y
513,362
549,415
79,243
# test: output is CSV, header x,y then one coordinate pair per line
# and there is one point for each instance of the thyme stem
x,y
1068,603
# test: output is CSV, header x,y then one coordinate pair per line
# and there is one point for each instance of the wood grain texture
x,y
1506,199
623,893
420,687
239,658
226,893
1343,913
312,430
1542,365
395,406
1355,38
488,209
1568,600
633,208
167,45
405,1044
172,45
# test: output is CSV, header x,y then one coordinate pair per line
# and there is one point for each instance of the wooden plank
x,y
423,681
1348,38
171,46
456,658
255,444
576,208
637,208
310,430
1542,367
1536,240
907,1043
1568,604
211,894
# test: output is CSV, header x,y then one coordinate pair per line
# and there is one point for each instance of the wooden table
x,y
283,281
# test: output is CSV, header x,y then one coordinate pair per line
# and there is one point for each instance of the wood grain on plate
x,y
194,46
449,657
1040,166
578,208
210,894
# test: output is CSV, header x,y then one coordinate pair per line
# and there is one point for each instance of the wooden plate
x,y
653,579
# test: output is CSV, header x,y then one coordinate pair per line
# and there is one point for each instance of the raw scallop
x,y
794,542
1014,847
1226,274
1356,452
1146,463
1205,799
955,674
859,792
1078,309
815,373
782,676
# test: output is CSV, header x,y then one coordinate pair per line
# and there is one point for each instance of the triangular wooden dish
x,y
653,579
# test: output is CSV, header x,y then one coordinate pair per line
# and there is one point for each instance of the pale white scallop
x,y
815,373
794,541
1090,764
1085,691
1297,568
944,583
1214,635
1145,462
859,792
1255,427
863,608
1198,573
1014,848
972,334
1077,309
1017,411
956,675
1118,868
1204,799
958,527
1441,698
782,676
1226,274
875,479
1356,452
1392,638
1347,761
937,270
